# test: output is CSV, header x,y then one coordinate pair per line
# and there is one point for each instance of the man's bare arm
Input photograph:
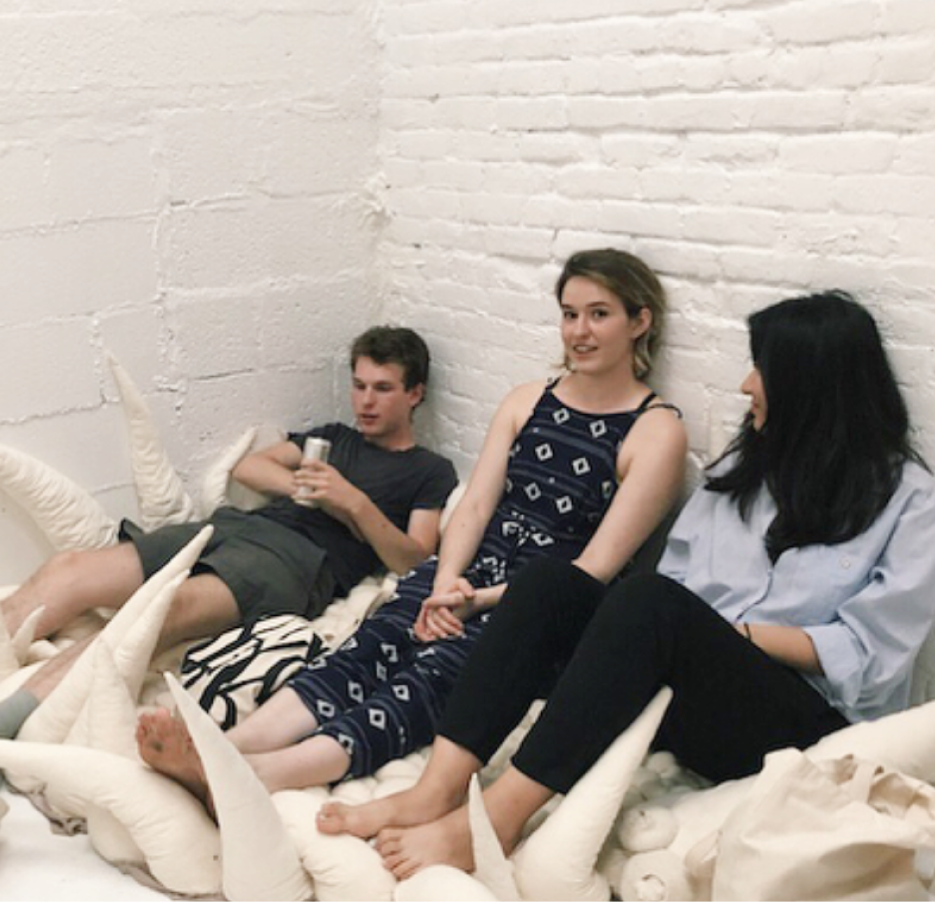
x,y
398,550
272,470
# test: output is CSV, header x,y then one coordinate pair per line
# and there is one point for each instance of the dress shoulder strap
x,y
646,404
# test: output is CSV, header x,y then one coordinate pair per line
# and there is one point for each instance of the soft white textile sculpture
x,y
160,492
53,720
141,820
69,516
247,811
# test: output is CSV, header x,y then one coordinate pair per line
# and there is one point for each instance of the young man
x,y
377,501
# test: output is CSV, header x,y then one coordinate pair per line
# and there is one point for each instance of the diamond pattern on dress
x,y
598,428
402,693
581,465
390,652
377,718
355,691
544,452
564,504
533,492
326,709
561,416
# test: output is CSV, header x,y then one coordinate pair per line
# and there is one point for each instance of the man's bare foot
x,y
409,808
409,850
166,746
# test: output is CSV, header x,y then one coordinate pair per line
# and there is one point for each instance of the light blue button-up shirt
x,y
867,604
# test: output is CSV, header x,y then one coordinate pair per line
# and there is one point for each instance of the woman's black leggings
x,y
600,655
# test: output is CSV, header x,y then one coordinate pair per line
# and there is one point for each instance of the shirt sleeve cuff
x,y
840,659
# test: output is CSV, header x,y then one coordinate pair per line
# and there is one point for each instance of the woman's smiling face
x,y
597,331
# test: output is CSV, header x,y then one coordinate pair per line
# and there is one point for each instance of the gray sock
x,y
14,710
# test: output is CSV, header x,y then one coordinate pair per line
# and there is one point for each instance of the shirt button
x,y
846,563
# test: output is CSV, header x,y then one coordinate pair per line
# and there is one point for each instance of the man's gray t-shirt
x,y
397,482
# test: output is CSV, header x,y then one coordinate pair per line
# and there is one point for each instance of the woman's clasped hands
x,y
443,613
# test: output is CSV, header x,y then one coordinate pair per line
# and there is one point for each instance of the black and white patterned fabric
x,y
231,674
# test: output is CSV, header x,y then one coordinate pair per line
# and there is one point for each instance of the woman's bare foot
x,y
409,808
408,850
166,746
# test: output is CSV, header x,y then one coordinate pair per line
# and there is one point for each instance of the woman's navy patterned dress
x,y
381,694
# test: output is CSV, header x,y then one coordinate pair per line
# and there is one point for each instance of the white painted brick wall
x,y
223,194
748,149
186,184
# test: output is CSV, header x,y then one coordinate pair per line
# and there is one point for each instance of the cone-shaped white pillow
x,y
217,489
442,882
111,724
10,661
258,855
26,634
342,868
558,860
178,839
107,723
491,867
160,491
53,719
69,516
132,657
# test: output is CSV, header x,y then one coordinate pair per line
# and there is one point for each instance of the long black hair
x,y
836,436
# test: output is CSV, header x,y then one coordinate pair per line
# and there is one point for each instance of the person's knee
x,y
643,601
202,606
546,579
65,565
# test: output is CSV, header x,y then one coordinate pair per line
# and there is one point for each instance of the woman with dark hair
x,y
791,600
583,467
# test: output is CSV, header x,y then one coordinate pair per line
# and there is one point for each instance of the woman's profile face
x,y
753,386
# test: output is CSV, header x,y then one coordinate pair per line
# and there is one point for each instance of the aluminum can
x,y
315,449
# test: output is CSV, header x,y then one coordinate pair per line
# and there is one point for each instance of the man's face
x,y
382,404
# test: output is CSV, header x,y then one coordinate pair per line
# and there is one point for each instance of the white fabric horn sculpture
x,y
54,718
216,486
343,868
442,882
259,858
558,860
160,492
73,697
26,634
9,658
491,866
177,838
131,657
69,516
111,717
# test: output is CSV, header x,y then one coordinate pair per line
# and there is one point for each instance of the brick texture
x,y
224,194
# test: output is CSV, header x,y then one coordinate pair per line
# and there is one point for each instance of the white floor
x,y
36,863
